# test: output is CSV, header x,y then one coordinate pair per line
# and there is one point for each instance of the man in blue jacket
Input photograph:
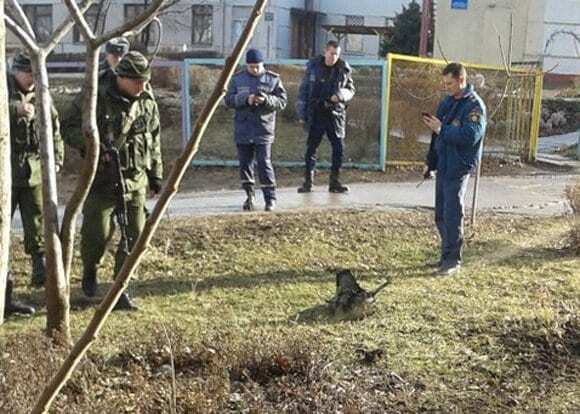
x,y
325,91
456,148
256,94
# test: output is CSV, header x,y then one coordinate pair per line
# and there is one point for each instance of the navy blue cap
x,y
254,56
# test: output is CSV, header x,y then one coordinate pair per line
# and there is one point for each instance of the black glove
x,y
155,184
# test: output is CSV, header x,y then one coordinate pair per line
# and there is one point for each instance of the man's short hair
x,y
332,43
457,70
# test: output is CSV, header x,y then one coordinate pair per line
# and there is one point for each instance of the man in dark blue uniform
x,y
456,148
256,94
324,94
115,49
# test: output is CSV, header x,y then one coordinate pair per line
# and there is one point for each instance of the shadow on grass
x,y
504,252
161,286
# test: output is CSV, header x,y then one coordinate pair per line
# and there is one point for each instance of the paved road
x,y
533,195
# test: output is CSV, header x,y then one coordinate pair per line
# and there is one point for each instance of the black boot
x,y
334,185
308,181
89,283
250,203
125,304
11,307
270,205
38,271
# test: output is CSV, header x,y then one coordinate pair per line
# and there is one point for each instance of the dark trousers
x,y
29,200
249,155
318,128
449,213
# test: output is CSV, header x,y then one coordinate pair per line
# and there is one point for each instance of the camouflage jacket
x,y
26,165
132,126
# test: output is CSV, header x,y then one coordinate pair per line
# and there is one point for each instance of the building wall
x,y
274,33
472,35
563,49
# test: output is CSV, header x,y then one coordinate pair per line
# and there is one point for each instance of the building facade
x,y
544,31
289,28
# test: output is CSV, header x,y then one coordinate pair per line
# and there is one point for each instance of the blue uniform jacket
x,y
457,149
255,124
314,92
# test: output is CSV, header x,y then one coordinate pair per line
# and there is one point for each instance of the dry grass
x,y
502,337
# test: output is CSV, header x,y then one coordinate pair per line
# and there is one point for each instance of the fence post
x,y
185,104
536,114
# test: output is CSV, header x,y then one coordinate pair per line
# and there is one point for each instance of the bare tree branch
x,y
28,42
20,17
64,28
79,20
132,261
501,52
441,51
130,28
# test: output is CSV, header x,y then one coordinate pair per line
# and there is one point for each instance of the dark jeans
x,y
318,128
449,213
249,155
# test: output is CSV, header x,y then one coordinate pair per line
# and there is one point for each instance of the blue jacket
x,y
314,93
458,148
255,124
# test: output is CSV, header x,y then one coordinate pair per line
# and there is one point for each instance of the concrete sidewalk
x,y
531,195
541,195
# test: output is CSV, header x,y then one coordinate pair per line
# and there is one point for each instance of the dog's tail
x,y
381,287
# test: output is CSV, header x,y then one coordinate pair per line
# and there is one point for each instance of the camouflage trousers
x,y
97,224
29,201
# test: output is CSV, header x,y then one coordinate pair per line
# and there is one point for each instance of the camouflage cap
x,y
135,66
117,46
21,62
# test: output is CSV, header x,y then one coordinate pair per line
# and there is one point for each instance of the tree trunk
x,y
5,170
57,301
90,161
132,261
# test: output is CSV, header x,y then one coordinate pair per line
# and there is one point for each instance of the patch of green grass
x,y
504,336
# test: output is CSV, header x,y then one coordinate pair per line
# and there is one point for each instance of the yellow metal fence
x,y
513,103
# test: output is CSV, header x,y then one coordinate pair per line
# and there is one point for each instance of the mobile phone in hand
x,y
427,114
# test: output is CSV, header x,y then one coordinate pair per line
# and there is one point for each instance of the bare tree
x,y
5,172
169,191
59,245
57,298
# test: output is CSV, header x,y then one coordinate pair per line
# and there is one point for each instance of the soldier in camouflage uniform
x,y
26,169
127,115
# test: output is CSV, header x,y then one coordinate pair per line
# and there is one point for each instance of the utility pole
x,y
426,28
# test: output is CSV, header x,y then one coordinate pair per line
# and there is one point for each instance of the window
x,y
134,10
355,20
202,25
131,12
95,18
354,42
40,17
240,15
